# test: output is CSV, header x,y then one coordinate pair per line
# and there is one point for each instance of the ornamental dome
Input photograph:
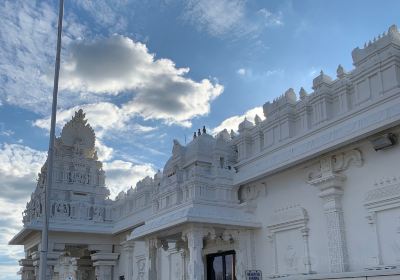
x,y
78,132
246,124
200,149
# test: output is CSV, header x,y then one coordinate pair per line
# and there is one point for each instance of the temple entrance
x,y
221,266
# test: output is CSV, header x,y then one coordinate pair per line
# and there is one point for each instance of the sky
x,y
150,71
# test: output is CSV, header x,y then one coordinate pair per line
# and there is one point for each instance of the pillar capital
x,y
27,270
103,263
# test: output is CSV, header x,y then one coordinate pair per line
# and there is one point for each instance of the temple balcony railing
x,y
198,189
63,210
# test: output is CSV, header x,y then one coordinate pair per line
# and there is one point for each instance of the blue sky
x,y
149,71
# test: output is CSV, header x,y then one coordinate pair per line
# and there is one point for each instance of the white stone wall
x,y
289,189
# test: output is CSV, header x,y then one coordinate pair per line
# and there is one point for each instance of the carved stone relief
x,y
141,267
326,177
175,265
289,240
383,206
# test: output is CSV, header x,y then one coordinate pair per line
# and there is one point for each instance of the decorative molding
x,y
384,196
332,164
140,267
330,182
289,218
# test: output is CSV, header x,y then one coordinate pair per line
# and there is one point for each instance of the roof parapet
x,y
362,55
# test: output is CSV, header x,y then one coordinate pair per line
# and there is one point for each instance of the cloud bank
x,y
159,90
232,123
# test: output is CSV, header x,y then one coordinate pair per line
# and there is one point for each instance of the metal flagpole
x,y
45,230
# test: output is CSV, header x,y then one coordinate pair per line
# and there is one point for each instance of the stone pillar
x,y
85,269
67,267
52,258
307,259
243,248
242,244
128,247
103,271
194,238
330,184
27,271
180,247
103,264
151,259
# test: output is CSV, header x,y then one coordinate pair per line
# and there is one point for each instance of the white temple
x,y
311,192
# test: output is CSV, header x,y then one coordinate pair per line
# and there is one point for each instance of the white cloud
x,y
18,169
233,18
120,175
102,116
161,90
108,14
248,73
216,17
10,224
107,120
4,131
270,18
241,71
234,121
313,72
27,44
92,71
104,152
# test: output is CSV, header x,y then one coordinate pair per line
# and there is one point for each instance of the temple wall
x,y
290,189
300,195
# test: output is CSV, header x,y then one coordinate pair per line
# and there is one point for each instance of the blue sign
x,y
253,275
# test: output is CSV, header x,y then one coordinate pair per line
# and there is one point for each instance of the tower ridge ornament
x,y
78,133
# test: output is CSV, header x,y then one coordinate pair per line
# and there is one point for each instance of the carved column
x,y
52,258
195,267
180,247
330,184
85,269
102,271
128,247
242,244
27,271
307,259
67,268
103,264
151,259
